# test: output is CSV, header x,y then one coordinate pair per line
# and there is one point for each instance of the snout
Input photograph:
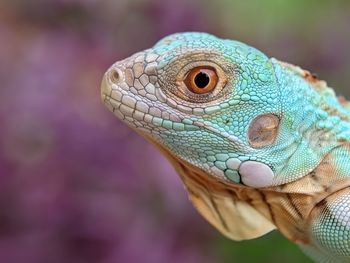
x,y
112,80
129,90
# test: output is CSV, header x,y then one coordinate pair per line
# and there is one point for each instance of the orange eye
x,y
201,80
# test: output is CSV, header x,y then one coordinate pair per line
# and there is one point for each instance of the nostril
x,y
115,75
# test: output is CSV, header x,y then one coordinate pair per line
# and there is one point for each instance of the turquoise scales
x,y
255,140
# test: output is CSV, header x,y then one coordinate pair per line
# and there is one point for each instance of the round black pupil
x,y
201,80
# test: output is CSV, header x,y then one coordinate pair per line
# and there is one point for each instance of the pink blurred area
x,y
76,184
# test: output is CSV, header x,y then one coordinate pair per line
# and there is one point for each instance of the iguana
x,y
259,144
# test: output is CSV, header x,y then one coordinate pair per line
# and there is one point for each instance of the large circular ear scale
x,y
263,130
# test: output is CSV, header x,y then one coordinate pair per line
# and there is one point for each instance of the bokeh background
x,y
76,185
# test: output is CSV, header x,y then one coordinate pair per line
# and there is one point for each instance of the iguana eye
x,y
201,80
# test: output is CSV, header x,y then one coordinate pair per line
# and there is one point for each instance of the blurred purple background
x,y
79,186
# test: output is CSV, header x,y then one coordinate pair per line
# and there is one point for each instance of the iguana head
x,y
226,108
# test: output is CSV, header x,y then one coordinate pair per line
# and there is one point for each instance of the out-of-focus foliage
x,y
76,185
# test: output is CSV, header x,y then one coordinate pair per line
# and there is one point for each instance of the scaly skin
x,y
267,148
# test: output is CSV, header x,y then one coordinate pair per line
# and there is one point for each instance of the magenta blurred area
x,y
76,185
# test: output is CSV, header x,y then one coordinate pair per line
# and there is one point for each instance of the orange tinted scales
x,y
316,83
342,100
241,212
311,77
217,201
